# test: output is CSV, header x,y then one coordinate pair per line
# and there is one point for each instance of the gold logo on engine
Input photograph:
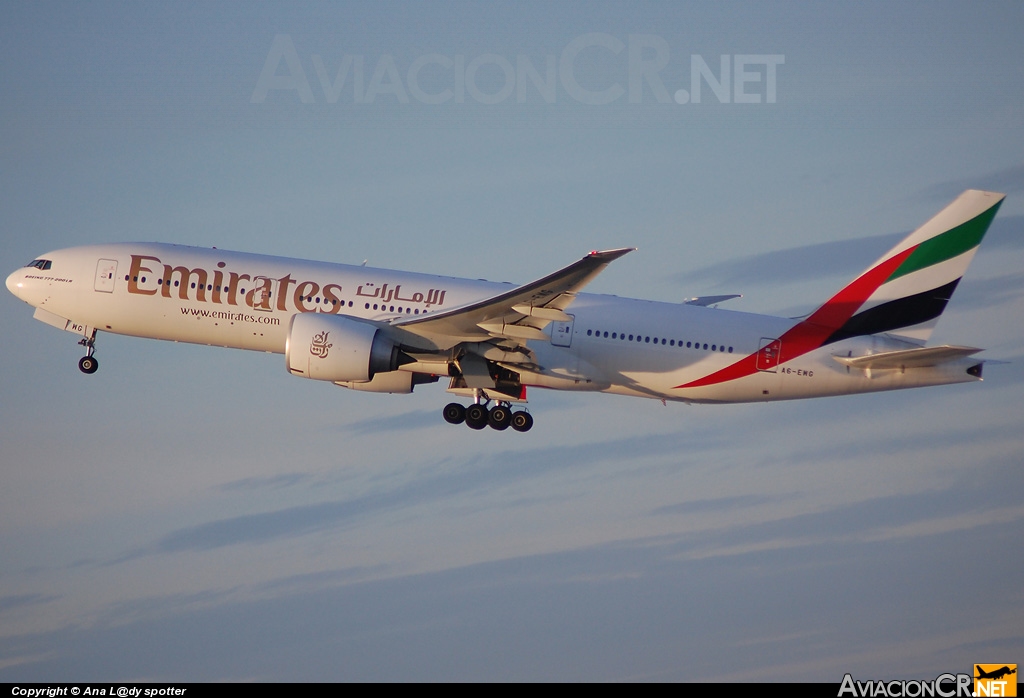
x,y
319,346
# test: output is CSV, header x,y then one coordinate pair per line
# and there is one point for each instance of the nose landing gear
x,y
88,363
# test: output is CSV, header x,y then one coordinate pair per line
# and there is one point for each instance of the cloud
x,y
272,482
913,438
418,419
324,578
1008,181
20,600
794,264
473,474
908,516
986,293
828,259
701,506
614,611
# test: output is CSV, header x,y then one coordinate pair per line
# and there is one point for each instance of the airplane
x,y
387,331
995,674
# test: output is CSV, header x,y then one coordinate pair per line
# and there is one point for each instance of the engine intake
x,y
339,348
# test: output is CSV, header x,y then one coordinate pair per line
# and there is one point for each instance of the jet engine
x,y
337,348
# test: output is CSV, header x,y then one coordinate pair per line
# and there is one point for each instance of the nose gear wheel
x,y
88,363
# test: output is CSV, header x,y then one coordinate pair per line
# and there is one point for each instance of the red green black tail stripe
x,y
902,312
838,318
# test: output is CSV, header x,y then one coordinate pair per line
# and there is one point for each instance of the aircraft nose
x,y
15,282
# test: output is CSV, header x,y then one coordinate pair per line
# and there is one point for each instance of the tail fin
x,y
906,290
903,292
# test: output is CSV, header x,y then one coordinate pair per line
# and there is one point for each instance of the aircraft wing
x,y
518,314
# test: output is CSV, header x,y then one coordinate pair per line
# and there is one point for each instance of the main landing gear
x,y
88,363
477,416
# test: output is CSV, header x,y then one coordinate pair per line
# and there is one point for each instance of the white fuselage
x,y
616,345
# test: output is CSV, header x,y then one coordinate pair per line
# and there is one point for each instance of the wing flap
x,y
512,330
543,312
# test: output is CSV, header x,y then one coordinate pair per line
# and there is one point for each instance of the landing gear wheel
x,y
88,364
476,416
499,417
454,413
522,421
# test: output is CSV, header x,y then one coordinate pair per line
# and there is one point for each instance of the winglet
x,y
610,255
711,300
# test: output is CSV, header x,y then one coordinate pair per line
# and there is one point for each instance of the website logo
x,y
995,680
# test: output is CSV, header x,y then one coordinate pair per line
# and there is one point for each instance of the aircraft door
x,y
262,295
106,270
768,354
561,332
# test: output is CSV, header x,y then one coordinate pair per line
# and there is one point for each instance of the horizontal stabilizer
x,y
908,358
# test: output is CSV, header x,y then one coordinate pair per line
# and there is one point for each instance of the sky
x,y
196,514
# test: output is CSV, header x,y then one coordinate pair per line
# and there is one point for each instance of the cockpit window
x,y
41,264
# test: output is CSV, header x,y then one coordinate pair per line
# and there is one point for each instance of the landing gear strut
x,y
477,416
88,363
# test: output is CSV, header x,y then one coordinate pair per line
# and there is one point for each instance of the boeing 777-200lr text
x,y
388,331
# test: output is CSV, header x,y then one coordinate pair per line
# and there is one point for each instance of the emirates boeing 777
x,y
388,331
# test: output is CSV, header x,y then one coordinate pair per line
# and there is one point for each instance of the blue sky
x,y
192,513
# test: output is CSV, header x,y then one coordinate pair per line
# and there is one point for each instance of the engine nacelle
x,y
400,382
337,348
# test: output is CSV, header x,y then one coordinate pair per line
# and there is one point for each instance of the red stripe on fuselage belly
x,y
811,333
